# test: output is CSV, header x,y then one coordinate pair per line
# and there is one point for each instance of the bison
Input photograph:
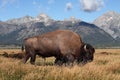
x,y
64,45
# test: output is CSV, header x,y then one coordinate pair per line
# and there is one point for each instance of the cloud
x,y
51,1
40,7
36,4
6,2
69,6
91,5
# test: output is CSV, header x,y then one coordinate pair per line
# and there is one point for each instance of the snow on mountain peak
x,y
110,23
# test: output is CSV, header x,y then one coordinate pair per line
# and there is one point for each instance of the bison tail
x,y
22,48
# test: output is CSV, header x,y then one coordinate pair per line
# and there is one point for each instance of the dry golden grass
x,y
9,51
104,67
108,50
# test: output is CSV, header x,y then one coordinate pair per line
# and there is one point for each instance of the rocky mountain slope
x,y
110,23
6,28
40,18
15,30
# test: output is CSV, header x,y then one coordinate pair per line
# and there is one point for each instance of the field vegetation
x,y
106,66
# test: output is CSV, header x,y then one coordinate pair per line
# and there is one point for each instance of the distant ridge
x,y
15,30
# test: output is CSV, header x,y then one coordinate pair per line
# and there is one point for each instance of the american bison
x,y
64,45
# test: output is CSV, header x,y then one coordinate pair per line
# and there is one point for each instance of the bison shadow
x,y
20,56
13,55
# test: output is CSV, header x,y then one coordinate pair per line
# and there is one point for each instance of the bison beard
x,y
66,46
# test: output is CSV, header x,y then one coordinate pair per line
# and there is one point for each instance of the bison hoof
x,y
33,63
58,62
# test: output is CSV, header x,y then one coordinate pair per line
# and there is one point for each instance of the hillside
x,y
15,30
110,23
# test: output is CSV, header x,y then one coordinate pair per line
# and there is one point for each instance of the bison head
x,y
87,53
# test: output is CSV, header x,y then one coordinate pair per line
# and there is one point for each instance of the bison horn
x,y
85,47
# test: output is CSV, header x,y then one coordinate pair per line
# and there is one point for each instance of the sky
x,y
86,10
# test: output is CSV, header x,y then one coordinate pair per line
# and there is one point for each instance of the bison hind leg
x,y
26,57
33,58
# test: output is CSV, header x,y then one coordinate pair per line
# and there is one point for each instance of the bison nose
x,y
90,60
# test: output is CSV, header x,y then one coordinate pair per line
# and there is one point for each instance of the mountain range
x,y
110,23
103,32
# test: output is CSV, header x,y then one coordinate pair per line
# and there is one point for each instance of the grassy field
x,y
106,66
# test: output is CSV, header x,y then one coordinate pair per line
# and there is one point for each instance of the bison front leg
x,y
69,60
58,61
